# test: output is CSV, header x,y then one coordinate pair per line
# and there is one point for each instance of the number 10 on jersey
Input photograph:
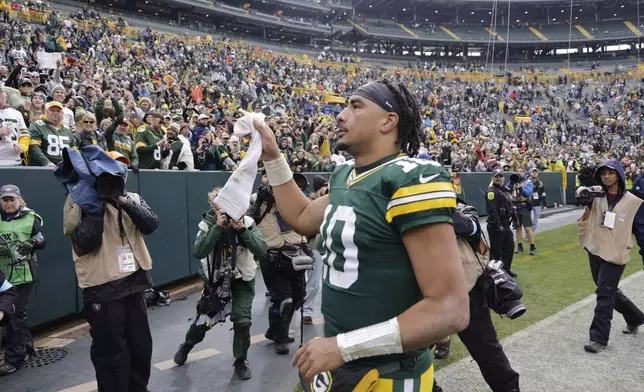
x,y
340,268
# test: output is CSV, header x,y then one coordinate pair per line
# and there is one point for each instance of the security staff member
x,y
605,233
20,229
283,282
480,335
499,215
538,199
521,193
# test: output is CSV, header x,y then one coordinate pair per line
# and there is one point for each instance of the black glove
x,y
25,248
119,119
135,168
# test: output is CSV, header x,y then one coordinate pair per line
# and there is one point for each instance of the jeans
x,y
535,217
313,281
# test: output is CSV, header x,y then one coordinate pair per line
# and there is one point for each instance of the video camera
x,y
590,188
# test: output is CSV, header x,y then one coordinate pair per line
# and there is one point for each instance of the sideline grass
x,y
557,277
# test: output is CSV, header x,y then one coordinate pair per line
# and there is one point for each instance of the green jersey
x,y
149,153
47,143
368,277
121,143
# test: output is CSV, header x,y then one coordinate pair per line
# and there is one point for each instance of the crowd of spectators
x,y
197,87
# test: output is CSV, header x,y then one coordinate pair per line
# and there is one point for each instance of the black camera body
x,y
515,178
503,293
590,186
110,186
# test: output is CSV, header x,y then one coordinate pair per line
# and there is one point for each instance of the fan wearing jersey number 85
x,y
393,280
49,137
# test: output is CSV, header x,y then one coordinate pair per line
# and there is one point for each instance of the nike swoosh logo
x,y
424,180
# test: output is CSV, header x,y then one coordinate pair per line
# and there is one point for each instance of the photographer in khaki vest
x,y
605,233
112,264
480,335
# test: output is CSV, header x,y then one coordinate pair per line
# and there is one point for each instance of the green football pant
x,y
242,298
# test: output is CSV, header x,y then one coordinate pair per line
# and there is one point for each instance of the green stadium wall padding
x,y
178,198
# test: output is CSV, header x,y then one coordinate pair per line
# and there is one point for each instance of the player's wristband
x,y
278,171
378,339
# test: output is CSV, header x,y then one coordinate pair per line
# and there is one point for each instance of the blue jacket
x,y
78,172
526,187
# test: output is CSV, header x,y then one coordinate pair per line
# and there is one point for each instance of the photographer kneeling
x,y
605,233
227,249
107,225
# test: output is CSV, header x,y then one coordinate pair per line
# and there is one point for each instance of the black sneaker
x,y
519,249
631,329
594,347
533,250
281,348
269,335
6,369
181,356
241,368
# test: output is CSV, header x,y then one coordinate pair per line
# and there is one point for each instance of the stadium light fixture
x,y
482,21
562,11
426,19
576,17
404,9
140,10
436,11
472,12
370,5
554,19
614,14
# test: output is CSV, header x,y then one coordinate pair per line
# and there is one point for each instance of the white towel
x,y
234,199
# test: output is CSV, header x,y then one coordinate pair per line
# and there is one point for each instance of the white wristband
x,y
278,171
378,339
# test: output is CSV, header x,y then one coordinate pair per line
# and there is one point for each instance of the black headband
x,y
379,94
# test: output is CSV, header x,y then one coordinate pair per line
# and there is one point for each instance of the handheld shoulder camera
x,y
590,188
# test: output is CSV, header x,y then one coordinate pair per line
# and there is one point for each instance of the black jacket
x,y
499,207
540,190
88,237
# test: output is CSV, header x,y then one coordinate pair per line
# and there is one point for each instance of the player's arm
x,y
444,309
36,156
304,215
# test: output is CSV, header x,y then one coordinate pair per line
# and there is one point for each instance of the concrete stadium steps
x,y
402,26
561,32
632,28
538,33
450,33
357,26
498,36
583,31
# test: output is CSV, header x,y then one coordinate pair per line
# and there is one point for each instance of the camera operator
x,y
521,188
112,264
605,233
499,215
227,250
282,281
20,237
480,337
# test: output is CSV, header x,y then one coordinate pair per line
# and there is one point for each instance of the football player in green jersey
x,y
393,280
49,137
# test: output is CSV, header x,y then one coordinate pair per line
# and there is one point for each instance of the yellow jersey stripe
x,y
384,385
423,205
140,144
35,142
427,380
422,188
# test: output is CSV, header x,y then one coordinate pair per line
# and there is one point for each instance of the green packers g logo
x,y
322,382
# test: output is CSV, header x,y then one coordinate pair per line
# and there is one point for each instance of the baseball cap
x,y
203,117
117,156
25,81
9,191
498,172
54,104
